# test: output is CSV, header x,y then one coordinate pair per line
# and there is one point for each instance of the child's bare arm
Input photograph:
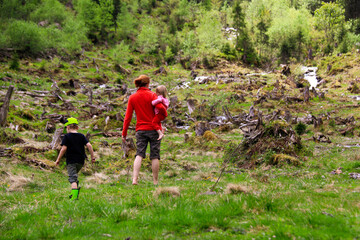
x,y
91,150
61,154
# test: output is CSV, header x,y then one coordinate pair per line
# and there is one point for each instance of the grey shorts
x,y
142,140
73,170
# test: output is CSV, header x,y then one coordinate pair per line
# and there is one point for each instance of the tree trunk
x,y
5,107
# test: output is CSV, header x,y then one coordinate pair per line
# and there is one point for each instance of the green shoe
x,y
74,194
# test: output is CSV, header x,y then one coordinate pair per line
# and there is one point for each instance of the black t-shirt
x,y
75,143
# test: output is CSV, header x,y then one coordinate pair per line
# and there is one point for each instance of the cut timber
x,y
5,107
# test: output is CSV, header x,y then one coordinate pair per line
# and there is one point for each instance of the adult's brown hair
x,y
142,81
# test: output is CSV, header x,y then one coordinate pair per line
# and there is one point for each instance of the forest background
x,y
191,32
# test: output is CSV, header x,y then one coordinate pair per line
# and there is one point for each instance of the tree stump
x,y
306,95
128,146
191,105
55,144
5,107
201,128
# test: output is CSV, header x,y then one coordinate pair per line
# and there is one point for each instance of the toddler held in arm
x,y
160,114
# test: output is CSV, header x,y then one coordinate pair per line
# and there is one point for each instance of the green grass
x,y
304,202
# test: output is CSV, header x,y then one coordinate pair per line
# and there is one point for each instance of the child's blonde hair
x,y
161,90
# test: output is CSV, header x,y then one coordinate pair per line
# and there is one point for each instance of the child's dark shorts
x,y
73,170
142,140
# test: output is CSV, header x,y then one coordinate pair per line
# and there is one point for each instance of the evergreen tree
x,y
116,12
243,42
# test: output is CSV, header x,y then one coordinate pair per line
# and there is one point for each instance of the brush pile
x,y
274,142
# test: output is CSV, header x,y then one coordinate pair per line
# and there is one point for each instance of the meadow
x,y
316,199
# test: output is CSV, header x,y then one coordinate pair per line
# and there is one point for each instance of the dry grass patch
x,y
17,182
204,176
98,178
167,191
171,173
236,189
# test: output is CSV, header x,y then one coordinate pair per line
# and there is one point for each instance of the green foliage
x,y
122,53
290,32
74,35
244,44
189,43
16,9
90,13
330,18
15,63
26,36
52,11
169,55
209,34
127,23
189,30
148,39
300,128
229,51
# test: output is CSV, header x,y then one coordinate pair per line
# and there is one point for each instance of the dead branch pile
x,y
267,140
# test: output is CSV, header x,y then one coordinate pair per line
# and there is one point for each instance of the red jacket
x,y
141,103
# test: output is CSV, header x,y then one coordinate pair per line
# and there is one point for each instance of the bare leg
x,y
74,185
137,166
155,170
161,134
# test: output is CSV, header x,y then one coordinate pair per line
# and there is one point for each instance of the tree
x,y
243,44
126,22
117,9
330,18
290,32
209,33
148,39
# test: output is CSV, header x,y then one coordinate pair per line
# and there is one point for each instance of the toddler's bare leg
x,y
161,134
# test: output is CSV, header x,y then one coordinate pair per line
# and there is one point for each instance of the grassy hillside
x,y
306,194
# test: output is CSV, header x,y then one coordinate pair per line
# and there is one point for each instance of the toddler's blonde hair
x,y
161,90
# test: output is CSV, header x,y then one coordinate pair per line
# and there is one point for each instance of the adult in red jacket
x,y
140,102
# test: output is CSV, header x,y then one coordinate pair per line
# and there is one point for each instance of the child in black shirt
x,y
73,145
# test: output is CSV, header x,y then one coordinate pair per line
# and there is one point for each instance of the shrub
x,y
300,128
121,53
51,11
15,63
148,38
16,9
26,36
